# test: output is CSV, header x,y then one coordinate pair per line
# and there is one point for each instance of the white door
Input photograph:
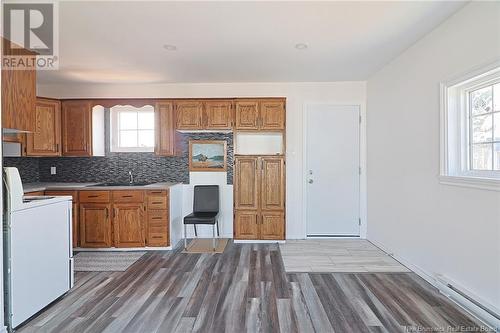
x,y
332,167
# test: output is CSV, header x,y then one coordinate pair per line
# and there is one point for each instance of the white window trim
x,y
114,148
454,130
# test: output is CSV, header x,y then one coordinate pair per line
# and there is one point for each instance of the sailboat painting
x,y
207,155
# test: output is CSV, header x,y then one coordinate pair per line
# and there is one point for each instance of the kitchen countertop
x,y
42,186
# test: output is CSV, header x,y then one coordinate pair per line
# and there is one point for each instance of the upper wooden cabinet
x,y
46,138
247,114
218,114
189,114
77,128
260,114
204,115
164,128
19,96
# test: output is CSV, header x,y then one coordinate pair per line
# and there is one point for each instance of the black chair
x,y
205,210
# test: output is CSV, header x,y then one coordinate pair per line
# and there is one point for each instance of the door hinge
x,y
359,170
360,119
359,221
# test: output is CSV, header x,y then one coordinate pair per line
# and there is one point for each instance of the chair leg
x,y
218,235
185,236
195,231
213,236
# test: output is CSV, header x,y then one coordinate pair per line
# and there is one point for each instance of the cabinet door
x,y
18,93
273,183
246,225
95,225
272,225
77,128
189,114
46,139
164,129
219,115
247,114
128,224
272,115
246,183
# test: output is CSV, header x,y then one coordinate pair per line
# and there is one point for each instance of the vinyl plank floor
x,y
247,289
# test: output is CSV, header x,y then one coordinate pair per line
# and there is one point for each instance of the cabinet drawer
x,y
157,216
94,196
35,193
158,239
157,202
153,230
128,196
73,194
157,193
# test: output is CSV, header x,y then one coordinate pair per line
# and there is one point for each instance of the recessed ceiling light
x,y
170,47
301,46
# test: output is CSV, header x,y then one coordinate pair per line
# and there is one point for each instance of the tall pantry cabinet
x,y
259,179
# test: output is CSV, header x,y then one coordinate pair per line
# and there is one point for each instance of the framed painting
x,y
207,155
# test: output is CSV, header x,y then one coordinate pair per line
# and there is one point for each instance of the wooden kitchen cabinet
x,y
76,128
272,114
158,218
246,225
246,183
272,183
165,129
128,224
95,225
247,114
259,197
189,114
46,138
260,114
218,114
18,94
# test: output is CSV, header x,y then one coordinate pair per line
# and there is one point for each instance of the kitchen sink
x,y
123,184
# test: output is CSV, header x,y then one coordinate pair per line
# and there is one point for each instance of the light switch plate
x,y
53,170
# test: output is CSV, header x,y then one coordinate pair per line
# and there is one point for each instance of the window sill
x,y
490,184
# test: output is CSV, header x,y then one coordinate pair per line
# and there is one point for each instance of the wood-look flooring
x,y
244,289
337,255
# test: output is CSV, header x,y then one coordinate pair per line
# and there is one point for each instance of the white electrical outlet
x,y
53,170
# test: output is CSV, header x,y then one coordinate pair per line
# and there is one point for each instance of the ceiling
x,y
123,42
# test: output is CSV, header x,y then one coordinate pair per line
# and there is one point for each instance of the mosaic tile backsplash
x,y
146,167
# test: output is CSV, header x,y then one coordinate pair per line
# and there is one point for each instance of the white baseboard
x,y
477,312
121,249
241,241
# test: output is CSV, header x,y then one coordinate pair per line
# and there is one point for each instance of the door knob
x,y
310,181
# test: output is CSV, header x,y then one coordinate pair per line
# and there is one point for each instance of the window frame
x,y
455,126
115,130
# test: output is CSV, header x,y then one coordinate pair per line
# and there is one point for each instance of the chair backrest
x,y
206,199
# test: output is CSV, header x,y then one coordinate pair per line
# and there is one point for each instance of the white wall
x,y
440,229
297,95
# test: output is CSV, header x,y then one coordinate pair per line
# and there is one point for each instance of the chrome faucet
x,y
131,177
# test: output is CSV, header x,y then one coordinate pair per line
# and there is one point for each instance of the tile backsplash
x,y
114,167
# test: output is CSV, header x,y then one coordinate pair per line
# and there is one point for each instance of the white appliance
x,y
38,252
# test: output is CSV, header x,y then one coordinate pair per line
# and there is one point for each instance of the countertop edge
x,y
27,188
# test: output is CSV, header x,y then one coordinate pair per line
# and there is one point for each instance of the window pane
x,y
481,156
128,139
482,128
496,134
481,100
496,156
496,96
146,138
146,120
127,120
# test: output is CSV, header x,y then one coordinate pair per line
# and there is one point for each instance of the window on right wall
x,y
470,129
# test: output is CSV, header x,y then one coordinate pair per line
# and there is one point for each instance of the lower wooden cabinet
x,y
246,225
128,225
95,225
272,225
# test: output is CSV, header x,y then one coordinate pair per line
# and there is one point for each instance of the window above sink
x,y
132,128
